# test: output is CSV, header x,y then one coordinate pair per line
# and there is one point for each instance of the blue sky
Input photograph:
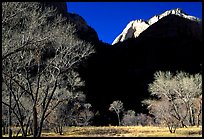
x,y
110,18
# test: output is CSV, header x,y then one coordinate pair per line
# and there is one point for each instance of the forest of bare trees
x,y
176,102
39,52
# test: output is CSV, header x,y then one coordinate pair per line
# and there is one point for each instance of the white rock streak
x,y
134,28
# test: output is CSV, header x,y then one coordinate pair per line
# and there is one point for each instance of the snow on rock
x,y
134,28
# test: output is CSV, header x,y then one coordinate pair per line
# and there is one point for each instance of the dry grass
x,y
127,131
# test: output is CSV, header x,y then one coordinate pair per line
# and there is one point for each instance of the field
x,y
127,131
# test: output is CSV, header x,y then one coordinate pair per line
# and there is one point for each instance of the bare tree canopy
x,y
176,97
129,118
117,106
39,52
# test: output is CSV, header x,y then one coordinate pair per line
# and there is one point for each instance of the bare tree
x,y
117,107
39,50
85,115
188,88
176,95
64,113
144,119
162,110
197,105
129,118
4,122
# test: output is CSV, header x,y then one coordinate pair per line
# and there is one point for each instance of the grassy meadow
x,y
126,131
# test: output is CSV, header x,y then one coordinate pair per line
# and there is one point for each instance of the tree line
x,y
176,102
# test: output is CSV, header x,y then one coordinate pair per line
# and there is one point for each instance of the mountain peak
x,y
136,27
177,10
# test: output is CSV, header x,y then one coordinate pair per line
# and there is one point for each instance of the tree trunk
x,y
18,132
198,115
191,116
172,127
182,124
35,125
6,129
3,130
174,130
118,118
169,128
9,115
30,130
60,129
198,120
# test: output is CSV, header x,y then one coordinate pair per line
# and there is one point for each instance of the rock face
x,y
84,31
134,28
